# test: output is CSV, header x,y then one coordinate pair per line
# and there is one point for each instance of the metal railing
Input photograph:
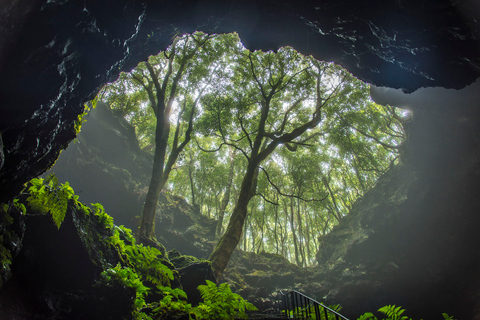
x,y
296,305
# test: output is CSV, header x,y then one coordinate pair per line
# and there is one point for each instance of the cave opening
x,y
415,232
355,143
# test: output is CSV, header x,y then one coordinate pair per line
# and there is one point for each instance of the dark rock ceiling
x,y
56,54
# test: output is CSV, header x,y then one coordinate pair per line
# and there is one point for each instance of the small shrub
x,y
221,303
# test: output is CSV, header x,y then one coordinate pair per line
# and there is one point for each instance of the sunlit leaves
x,y
324,170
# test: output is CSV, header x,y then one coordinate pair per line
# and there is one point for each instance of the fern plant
x,y
142,268
129,278
173,303
87,107
447,317
221,303
49,196
105,219
393,313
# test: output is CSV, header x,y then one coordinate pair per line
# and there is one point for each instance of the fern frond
x,y
393,312
49,196
367,316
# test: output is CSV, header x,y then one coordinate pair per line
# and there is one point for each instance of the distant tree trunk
x,y
226,196
308,226
301,244
275,234
284,234
190,176
338,215
294,234
245,235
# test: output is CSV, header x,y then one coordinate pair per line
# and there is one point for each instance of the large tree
x,y
172,84
276,98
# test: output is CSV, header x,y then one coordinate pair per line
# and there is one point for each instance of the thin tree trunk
x,y
301,234
284,234
226,196
294,234
190,176
275,234
338,215
308,226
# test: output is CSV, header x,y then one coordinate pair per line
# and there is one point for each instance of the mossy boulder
x,y
259,277
179,260
182,227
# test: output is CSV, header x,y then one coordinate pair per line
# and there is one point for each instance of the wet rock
x,y
55,275
12,231
412,237
259,277
194,275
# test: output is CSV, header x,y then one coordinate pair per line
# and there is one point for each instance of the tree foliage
x,y
302,137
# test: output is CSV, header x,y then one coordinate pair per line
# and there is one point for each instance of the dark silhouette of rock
x,y
194,275
56,273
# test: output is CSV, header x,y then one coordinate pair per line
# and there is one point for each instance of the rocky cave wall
x,y
55,55
412,240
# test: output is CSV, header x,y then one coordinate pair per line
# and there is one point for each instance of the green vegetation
x,y
145,270
393,312
309,313
87,107
142,268
5,238
283,144
221,303
49,196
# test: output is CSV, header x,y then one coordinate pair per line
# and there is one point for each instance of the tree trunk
x,y
276,224
230,239
338,214
147,226
190,176
292,226
226,196
301,231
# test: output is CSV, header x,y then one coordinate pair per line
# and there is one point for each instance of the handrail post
x,y
317,312
294,305
326,314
